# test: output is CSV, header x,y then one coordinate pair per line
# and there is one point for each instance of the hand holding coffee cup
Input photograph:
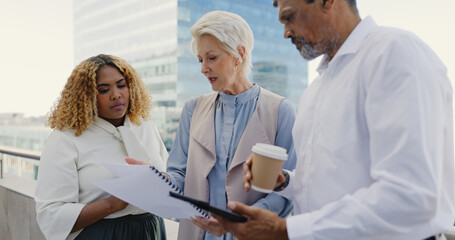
x,y
246,176
265,164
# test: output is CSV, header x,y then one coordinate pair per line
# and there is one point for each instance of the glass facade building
x,y
154,36
273,56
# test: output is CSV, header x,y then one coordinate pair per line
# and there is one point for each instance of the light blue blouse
x,y
232,114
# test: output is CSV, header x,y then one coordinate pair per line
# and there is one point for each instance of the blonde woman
x,y
217,131
101,117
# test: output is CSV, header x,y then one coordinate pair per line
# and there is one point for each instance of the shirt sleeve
x,y
286,117
408,111
176,164
57,191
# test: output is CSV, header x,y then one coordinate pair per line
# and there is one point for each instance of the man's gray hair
x,y
353,3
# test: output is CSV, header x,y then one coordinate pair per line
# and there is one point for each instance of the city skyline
x,y
37,45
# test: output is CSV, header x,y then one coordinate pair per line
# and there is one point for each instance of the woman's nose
x,y
204,68
115,95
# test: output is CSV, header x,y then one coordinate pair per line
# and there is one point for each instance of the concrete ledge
x,y
3,209
17,209
19,185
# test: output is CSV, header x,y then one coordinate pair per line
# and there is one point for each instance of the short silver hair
x,y
231,30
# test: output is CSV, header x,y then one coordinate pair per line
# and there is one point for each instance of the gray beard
x,y
307,50
310,51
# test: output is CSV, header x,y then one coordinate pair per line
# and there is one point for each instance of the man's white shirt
x,y
374,142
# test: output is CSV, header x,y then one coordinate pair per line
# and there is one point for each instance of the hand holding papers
x,y
146,188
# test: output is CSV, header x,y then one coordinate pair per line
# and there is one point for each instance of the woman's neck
x,y
242,84
116,122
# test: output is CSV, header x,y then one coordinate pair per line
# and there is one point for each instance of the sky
x,y
36,54
36,44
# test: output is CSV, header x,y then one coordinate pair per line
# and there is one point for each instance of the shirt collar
x,y
243,97
107,126
352,44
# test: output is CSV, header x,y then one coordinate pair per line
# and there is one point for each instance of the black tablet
x,y
205,205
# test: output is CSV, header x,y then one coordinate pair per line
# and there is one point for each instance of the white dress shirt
x,y
70,164
374,142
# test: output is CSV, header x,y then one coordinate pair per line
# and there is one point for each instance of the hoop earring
x,y
236,69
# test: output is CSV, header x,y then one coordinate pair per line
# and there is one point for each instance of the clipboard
x,y
206,206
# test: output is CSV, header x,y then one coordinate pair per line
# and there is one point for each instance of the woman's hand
x,y
247,173
210,225
133,161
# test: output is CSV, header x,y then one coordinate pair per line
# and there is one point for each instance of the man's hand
x,y
261,224
210,225
247,175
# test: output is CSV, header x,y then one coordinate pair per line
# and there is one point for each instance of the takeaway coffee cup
x,y
267,162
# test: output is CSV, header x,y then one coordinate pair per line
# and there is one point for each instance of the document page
x,y
146,188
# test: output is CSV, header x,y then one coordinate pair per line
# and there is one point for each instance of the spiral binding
x,y
175,188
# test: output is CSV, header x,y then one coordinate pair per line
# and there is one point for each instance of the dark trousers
x,y
143,226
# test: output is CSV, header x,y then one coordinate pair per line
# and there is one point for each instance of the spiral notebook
x,y
146,188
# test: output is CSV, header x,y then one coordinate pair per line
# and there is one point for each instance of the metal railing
x,y
17,152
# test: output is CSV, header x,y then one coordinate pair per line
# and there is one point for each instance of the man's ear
x,y
328,4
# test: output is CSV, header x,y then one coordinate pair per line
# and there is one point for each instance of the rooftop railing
x,y
20,162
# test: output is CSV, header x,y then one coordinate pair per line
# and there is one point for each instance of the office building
x,y
154,36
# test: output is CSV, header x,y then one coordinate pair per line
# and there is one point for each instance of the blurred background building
x,y
24,134
154,36
19,131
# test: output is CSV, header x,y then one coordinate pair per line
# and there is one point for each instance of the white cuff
x,y
288,191
299,227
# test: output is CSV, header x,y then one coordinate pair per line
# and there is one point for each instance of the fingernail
x,y
231,205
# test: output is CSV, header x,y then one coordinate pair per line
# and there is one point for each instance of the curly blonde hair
x,y
77,106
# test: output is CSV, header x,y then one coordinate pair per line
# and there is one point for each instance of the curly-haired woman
x,y
101,117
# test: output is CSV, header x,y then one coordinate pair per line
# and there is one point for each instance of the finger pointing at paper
x,y
132,161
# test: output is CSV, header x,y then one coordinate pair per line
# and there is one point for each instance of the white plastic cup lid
x,y
271,151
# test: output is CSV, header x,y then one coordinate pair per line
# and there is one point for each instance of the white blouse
x,y
70,164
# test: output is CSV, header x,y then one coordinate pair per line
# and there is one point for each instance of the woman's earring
x,y
236,69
